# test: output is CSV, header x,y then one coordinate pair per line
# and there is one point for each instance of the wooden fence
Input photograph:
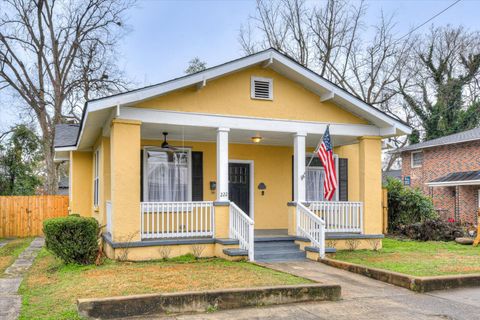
x,y
23,216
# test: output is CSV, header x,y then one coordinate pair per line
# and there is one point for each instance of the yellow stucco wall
x,y
231,95
81,201
370,183
125,180
169,251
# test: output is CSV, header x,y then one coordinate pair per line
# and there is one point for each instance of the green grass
x,y
10,251
416,258
50,289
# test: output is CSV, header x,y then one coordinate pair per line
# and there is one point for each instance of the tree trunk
x,y
51,178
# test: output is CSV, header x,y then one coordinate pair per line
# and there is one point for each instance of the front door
x,y
239,185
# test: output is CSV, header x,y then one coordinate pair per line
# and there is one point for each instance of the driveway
x,y
362,298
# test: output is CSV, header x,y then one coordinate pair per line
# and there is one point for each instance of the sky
x,y
165,35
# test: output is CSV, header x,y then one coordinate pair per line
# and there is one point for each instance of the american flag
x,y
325,153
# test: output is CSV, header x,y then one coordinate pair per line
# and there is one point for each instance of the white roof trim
x,y
453,183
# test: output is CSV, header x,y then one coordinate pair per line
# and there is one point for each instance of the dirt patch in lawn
x,y
50,289
10,252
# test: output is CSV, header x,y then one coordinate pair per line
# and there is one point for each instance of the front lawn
x,y
50,288
416,258
10,251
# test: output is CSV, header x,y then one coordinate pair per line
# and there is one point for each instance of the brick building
x,y
448,170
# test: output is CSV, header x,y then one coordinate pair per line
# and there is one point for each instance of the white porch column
x,y
299,166
222,164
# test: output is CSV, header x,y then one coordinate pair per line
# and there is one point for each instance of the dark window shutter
x,y
343,179
292,179
141,175
197,176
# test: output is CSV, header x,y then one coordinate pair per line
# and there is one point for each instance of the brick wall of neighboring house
x,y
438,162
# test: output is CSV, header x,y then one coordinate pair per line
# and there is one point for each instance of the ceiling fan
x,y
165,144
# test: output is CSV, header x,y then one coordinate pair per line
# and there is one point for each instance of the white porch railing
x,y
241,228
177,219
108,210
312,227
339,216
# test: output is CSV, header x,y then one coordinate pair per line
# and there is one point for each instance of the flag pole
x,y
316,150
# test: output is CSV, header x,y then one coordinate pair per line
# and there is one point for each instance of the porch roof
x,y
457,179
96,112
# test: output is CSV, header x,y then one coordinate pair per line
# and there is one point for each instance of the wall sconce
x,y
257,139
213,186
262,187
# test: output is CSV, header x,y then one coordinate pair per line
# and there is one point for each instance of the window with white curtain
x,y
167,175
314,177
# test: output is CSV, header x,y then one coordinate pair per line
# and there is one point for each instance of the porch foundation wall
x,y
157,252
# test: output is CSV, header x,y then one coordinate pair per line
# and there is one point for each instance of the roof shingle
x,y
65,135
469,135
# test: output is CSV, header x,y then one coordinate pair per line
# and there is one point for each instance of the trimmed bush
x,y
433,230
406,205
73,239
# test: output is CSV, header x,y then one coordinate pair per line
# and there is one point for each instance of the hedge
x,y
73,239
407,205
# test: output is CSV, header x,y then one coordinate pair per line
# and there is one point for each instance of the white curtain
x,y
167,176
314,184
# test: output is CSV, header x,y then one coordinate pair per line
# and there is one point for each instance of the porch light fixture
x,y
257,139
262,187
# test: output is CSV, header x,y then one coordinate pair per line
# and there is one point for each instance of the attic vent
x,y
262,88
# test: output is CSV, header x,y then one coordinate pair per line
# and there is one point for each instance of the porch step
x,y
275,246
277,250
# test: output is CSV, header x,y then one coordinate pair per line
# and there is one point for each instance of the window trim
x,y
252,88
96,178
189,170
411,159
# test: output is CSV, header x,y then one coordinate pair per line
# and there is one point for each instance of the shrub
x,y
73,239
433,230
407,205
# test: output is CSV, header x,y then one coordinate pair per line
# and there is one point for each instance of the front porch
x,y
216,186
190,223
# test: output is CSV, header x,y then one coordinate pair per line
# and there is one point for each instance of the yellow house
x,y
221,163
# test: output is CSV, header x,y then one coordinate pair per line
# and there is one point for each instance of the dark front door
x,y
239,185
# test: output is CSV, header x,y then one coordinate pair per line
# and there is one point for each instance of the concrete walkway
x,y
10,301
363,299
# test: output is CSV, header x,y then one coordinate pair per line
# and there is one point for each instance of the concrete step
x,y
276,255
284,259
233,252
276,246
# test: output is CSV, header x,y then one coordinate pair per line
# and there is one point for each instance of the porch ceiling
x,y
152,131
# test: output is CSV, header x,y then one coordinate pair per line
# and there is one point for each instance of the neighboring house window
x,y
314,177
167,175
261,88
417,159
96,178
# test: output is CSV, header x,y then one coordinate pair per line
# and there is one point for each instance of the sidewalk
x,y
10,302
363,299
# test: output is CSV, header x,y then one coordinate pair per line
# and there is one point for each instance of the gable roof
x,y
270,58
464,136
